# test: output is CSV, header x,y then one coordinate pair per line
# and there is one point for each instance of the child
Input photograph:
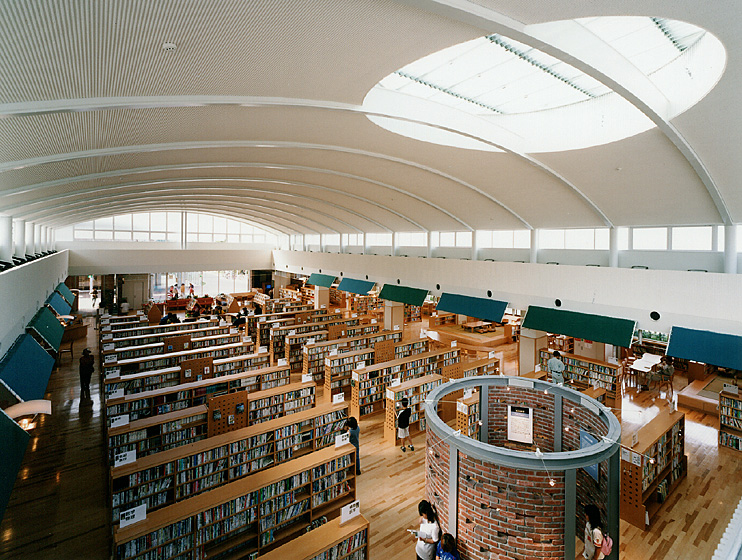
x,y
352,427
429,533
403,425
593,535
447,548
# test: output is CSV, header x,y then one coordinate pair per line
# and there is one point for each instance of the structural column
x,y
430,244
534,246
43,245
395,243
37,238
30,248
6,238
730,249
474,246
321,297
393,315
613,247
20,238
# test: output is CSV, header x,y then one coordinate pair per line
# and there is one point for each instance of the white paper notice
x,y
306,378
110,347
133,515
350,511
491,354
117,421
281,361
334,352
636,458
342,439
520,424
117,394
338,398
110,359
125,458
625,455
390,394
461,407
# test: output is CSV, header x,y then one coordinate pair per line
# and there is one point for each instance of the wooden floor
x,y
58,509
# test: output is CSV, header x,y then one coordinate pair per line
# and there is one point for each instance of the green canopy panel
x,y
26,368
324,280
59,304
403,294
481,308
66,293
611,330
15,439
717,349
362,287
47,326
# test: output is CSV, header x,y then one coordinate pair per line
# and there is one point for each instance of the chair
x,y
69,350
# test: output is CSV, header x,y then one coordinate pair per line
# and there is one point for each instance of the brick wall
x,y
543,417
436,476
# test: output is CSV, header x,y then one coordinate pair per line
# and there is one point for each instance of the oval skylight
x,y
495,92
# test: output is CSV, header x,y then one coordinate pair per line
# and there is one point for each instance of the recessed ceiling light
x,y
168,46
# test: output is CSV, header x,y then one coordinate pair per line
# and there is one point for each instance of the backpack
x,y
607,545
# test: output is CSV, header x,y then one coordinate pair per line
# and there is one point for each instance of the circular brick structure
x,y
508,500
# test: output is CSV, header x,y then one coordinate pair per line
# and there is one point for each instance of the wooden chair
x,y
68,350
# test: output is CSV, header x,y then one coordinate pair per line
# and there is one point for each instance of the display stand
x,y
333,540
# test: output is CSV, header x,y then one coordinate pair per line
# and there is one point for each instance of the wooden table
x,y
475,326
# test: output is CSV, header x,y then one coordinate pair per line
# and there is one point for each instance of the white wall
x,y
100,257
689,299
23,290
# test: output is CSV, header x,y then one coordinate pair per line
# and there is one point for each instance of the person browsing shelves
x,y
555,365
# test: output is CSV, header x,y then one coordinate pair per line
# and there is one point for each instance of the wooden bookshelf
x,y
565,344
337,297
161,347
482,366
338,368
185,395
586,372
252,515
169,359
329,541
294,346
160,337
170,377
415,390
363,305
263,406
253,320
313,355
468,415
653,468
165,478
368,384
156,329
730,420
278,334
263,329
441,319
159,433
412,313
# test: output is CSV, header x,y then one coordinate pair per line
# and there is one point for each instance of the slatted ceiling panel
x,y
383,351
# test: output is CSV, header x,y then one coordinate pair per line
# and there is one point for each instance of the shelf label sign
x,y
625,455
113,373
636,459
105,322
396,381
261,320
729,388
306,378
491,354
117,421
109,347
373,321
125,458
634,439
107,328
390,394
262,350
454,344
361,365
110,359
334,352
142,318
117,394
310,341
461,407
468,392
133,515
342,439
282,361
107,337
350,511
356,377
395,328
354,315
338,398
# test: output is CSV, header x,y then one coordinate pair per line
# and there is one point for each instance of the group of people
x,y
431,545
175,293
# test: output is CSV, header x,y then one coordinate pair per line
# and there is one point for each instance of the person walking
x,y
403,425
555,365
94,295
355,431
87,366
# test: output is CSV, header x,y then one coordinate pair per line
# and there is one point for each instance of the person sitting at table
x,y
663,376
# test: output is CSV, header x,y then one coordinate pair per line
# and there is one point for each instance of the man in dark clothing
x,y
87,366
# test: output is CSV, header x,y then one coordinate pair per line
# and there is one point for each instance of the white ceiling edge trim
x,y
637,92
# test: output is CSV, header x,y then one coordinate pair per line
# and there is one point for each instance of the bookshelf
x,y
363,305
185,395
585,372
159,433
331,541
158,361
565,344
248,516
280,401
159,337
278,334
482,366
368,384
155,348
294,345
253,320
337,297
156,329
730,420
162,479
415,390
468,415
441,319
338,368
412,313
313,355
653,468
172,376
263,329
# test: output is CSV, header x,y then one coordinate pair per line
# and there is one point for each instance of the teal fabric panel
x,y
26,368
611,330
324,280
59,304
481,308
14,442
48,327
717,349
403,294
362,287
66,293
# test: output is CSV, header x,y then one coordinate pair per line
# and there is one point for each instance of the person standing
x,y
87,366
429,533
593,537
355,432
403,425
94,295
555,365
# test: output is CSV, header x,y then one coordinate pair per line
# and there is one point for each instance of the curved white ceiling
x,y
259,114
